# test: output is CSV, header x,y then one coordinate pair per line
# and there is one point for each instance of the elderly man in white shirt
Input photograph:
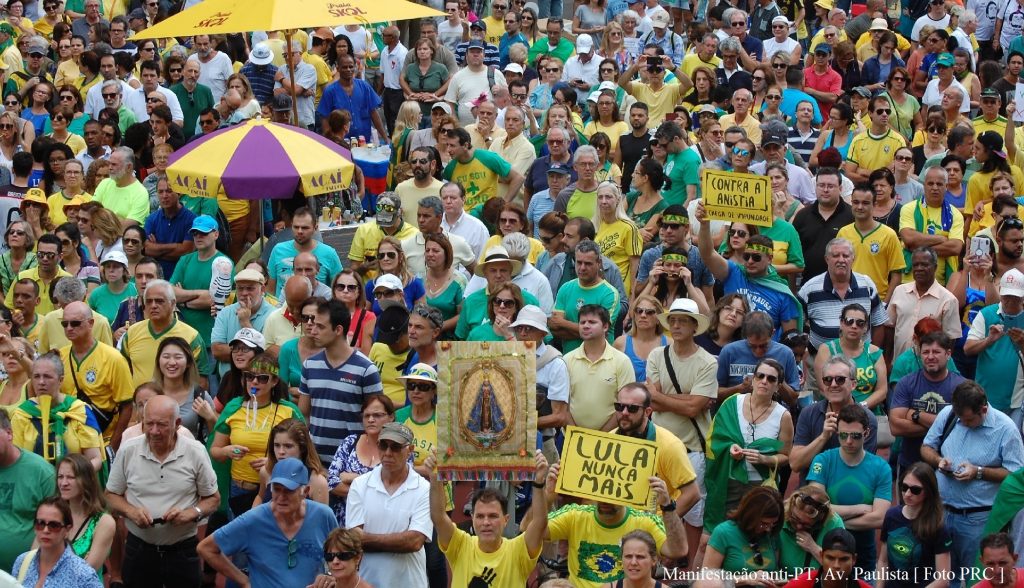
x,y
459,222
529,278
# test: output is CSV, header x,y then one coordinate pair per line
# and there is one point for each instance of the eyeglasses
x,y
763,376
330,556
739,23
46,254
51,525
755,257
854,322
773,97
420,386
881,111
855,436
645,311
915,490
293,553
420,161
64,97
837,380
72,324
630,408
153,100
259,378
346,287
391,446
738,233
904,158
382,293
519,96
504,302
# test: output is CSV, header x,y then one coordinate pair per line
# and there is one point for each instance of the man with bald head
x,y
163,485
285,323
307,265
95,372
742,100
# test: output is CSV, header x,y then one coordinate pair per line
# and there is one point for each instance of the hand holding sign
x,y
1018,102
737,197
607,467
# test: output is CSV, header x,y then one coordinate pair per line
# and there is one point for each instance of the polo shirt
x,y
45,304
830,82
185,476
823,306
816,232
479,176
50,334
932,217
877,253
175,229
282,260
369,505
874,151
192,273
907,306
572,296
192,103
692,61
336,398
368,236
278,329
226,324
750,124
593,385
140,343
537,175
414,246
130,202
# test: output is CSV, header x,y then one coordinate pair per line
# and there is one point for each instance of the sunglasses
x,y
46,254
854,436
381,294
899,79
552,69
505,302
307,318
738,233
671,226
420,161
758,556
259,378
175,70
816,507
51,525
15,233
293,553
741,152
153,100
130,241
420,386
854,322
387,254
773,97
904,158
347,287
386,208
391,446
756,257
64,97
780,65
631,408
110,95
645,312
72,324
915,490
519,96
838,380
330,556
881,111
763,376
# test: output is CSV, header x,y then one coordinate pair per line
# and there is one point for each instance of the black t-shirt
x,y
632,149
815,233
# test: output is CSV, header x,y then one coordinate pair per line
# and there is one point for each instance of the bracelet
x,y
538,484
671,506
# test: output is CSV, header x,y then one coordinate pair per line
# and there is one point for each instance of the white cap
x,y
593,96
251,338
447,108
1012,284
781,20
607,85
531,316
514,68
117,256
584,43
660,19
388,281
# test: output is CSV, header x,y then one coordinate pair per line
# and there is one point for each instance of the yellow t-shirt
x,y
876,254
592,544
140,343
978,190
673,466
68,72
479,176
619,241
102,374
933,226
870,152
658,103
495,29
45,304
692,61
232,208
242,431
390,367
981,125
536,248
510,565
57,200
368,236
51,334
614,131
323,73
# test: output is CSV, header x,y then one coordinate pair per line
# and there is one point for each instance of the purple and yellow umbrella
x,y
260,159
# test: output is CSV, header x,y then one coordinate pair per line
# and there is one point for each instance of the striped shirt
x,y
823,306
803,144
336,398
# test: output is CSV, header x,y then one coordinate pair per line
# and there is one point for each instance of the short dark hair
x,y
461,134
21,163
149,260
854,413
969,395
596,310
337,312
829,171
585,227
640,106
52,240
27,282
151,65
992,541
936,337
205,111
488,495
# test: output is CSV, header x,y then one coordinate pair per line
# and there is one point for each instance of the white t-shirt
x,y
987,10
391,65
467,85
932,95
215,73
450,35
1012,14
915,33
771,46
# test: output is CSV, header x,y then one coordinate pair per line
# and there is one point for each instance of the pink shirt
x,y
830,81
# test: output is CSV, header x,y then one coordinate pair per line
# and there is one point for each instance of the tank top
x,y
975,301
867,378
639,363
768,429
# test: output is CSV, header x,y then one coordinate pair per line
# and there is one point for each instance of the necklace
x,y
753,419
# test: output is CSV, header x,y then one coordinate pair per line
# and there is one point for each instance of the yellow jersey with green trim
x,y
876,253
874,152
479,176
620,241
102,375
141,341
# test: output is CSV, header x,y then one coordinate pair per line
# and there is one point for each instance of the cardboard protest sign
x,y
486,410
607,467
732,196
1018,101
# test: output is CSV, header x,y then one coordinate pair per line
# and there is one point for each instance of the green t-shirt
x,y
22,486
581,204
787,242
105,302
479,176
193,274
289,362
860,484
737,552
200,206
682,169
571,296
474,312
447,301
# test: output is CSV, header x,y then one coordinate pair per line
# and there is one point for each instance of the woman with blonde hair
x,y
10,139
809,516
17,354
408,118
98,171
100,228
617,233
20,255
645,334
250,107
613,45
444,284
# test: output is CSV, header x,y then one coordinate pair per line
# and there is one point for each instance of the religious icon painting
x,y
486,411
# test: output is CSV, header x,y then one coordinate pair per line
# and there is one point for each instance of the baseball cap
x,y
396,432
992,141
137,14
781,20
991,93
388,282
478,24
559,168
251,338
115,255
291,473
607,85
447,108
392,323
422,372
250,275
514,68
774,131
1012,283
476,44
37,45
584,43
945,60
823,48
281,103
660,19
879,24
204,223
261,54
839,540
862,91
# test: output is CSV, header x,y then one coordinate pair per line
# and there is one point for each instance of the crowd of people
x,y
203,391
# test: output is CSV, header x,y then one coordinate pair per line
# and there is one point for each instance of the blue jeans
x,y
549,8
966,530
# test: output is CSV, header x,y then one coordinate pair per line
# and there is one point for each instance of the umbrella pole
x,y
291,76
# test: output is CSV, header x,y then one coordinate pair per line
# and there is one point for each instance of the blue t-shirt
x,y
360,104
282,260
778,305
736,362
791,97
701,275
170,230
916,392
271,554
861,484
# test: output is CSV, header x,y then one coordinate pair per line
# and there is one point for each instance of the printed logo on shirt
x,y
816,468
875,247
90,376
930,402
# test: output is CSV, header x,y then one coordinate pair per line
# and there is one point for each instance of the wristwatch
x,y
915,416
671,506
981,471
199,511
